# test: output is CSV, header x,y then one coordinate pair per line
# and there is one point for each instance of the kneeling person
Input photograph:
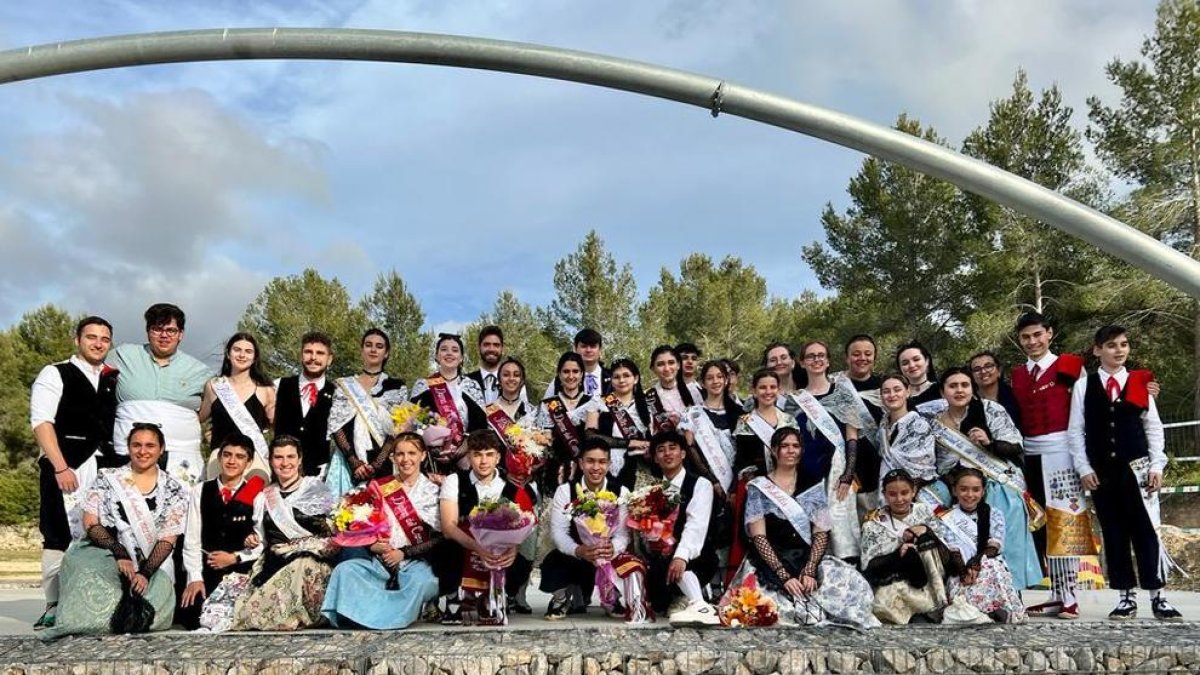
x,y
570,570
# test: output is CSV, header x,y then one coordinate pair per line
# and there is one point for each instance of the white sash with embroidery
x,y
282,514
843,512
718,454
999,470
367,413
799,519
141,520
961,531
1141,471
764,431
241,417
869,426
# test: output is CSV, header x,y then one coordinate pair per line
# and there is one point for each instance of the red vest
x,y
1046,403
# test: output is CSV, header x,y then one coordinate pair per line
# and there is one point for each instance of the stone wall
x,y
1039,648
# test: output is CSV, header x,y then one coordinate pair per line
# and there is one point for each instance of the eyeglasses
x,y
816,357
986,368
169,331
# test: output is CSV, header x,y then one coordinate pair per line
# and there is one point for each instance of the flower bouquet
x,y
747,606
499,524
652,511
434,429
596,517
526,451
356,521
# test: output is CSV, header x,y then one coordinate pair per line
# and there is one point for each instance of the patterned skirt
x,y
91,588
290,599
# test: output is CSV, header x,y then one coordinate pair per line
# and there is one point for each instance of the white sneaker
x,y
696,614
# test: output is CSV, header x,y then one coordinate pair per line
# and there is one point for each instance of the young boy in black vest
x,y
467,564
220,517
1116,441
678,570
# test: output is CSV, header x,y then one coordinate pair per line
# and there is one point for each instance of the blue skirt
x,y
356,596
338,478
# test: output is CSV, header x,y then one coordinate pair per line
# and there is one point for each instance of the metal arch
x,y
709,93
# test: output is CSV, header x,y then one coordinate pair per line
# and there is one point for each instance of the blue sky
x,y
197,183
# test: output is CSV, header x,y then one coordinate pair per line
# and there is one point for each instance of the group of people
x,y
844,498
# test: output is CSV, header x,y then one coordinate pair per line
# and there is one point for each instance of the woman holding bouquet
x,y
622,419
384,586
788,527
563,415
360,421
457,400
132,517
287,584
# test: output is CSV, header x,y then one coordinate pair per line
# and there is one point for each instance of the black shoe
x,y
558,608
453,614
517,607
1163,611
1126,610
47,619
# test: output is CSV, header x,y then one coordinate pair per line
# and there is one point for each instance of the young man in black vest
x,y
597,380
220,517
678,570
467,565
71,408
1116,443
491,352
303,402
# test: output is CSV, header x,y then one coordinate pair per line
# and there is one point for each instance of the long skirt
x,y
1019,551
91,588
843,596
357,595
896,602
288,600
993,590
338,477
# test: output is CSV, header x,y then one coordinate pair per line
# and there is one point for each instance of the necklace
x,y
508,400
368,373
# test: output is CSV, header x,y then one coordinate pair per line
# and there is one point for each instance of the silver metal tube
x,y
706,92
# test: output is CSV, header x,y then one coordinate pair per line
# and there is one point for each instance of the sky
x,y
198,183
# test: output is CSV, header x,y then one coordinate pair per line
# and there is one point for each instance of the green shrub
x,y
19,495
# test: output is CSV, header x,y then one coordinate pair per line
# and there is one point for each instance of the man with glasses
x,y
162,385
985,371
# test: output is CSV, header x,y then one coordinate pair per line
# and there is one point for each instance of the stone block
x,y
899,660
761,661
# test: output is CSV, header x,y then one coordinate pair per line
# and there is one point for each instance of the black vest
x,y
685,496
223,527
312,428
1114,430
83,422
468,497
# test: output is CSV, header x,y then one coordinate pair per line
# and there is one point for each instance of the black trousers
x,y
1126,529
659,592
1037,488
447,558
52,514
560,570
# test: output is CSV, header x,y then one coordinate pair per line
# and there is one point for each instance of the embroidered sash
x,y
85,475
622,419
499,421
241,417
763,429
821,419
362,403
443,400
141,520
1141,470
282,514
563,429
994,468
869,426
961,532
392,493
797,517
659,419
718,457
846,528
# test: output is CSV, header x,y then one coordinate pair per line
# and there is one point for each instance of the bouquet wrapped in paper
x,y
597,515
499,524
527,450
434,430
747,606
357,521
652,511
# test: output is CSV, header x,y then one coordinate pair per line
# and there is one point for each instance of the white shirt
x,y
1077,437
1056,441
560,519
698,509
489,490
193,555
490,394
597,372
319,383
47,389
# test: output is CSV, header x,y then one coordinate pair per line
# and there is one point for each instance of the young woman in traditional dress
x,y
287,584
906,441
132,517
788,530
980,434
990,384
360,422
240,400
622,419
860,353
512,386
385,586
752,435
563,415
978,532
780,359
457,399
915,362
669,397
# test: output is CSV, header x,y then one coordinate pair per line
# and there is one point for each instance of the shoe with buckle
x,y
1045,609
48,617
1163,611
558,608
1069,612
453,615
1126,610
696,614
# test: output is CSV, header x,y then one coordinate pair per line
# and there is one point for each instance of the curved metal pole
x,y
706,92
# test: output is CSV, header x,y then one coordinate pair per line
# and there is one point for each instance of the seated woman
x,y
788,529
906,562
977,531
979,433
622,419
287,584
906,441
385,587
132,516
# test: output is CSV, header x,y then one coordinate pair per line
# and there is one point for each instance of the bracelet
x,y
64,469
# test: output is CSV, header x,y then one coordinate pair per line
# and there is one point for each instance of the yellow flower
x,y
606,496
597,524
